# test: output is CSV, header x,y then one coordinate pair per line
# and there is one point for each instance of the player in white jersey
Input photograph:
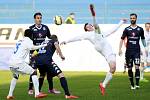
x,y
145,58
18,65
98,39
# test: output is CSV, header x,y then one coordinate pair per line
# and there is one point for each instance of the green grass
x,y
82,84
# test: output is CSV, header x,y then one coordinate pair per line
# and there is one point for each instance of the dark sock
x,y
30,83
130,74
64,85
50,82
41,80
137,76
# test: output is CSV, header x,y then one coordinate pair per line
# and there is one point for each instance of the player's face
x,y
90,27
147,27
38,19
133,19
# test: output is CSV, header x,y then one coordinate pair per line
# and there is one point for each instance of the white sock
x,y
142,74
107,79
35,84
12,86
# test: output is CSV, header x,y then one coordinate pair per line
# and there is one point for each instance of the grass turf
x,y
82,84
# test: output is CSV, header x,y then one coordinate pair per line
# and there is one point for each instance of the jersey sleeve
x,y
113,30
124,34
142,34
48,32
28,43
79,38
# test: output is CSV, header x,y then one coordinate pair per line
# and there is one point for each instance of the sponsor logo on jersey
x,y
138,29
44,28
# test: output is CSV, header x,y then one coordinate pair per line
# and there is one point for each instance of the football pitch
x,y
82,84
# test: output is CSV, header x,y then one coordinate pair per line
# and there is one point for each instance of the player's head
x,y
147,26
38,18
88,27
54,37
72,15
133,18
28,33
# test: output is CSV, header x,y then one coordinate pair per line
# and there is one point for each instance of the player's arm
x,y
143,41
58,50
113,30
77,38
38,47
124,35
48,32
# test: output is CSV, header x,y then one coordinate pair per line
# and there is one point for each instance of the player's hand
x,y
120,52
44,45
63,58
63,43
124,20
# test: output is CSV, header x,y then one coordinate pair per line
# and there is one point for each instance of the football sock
x,y
137,76
50,82
130,74
35,84
30,83
41,80
107,79
64,85
12,86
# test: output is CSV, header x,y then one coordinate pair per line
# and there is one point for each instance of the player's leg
x,y
137,70
29,70
50,80
42,71
55,71
141,71
125,66
12,86
129,62
110,57
30,89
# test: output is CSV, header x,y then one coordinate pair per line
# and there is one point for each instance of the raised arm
x,y
115,28
77,38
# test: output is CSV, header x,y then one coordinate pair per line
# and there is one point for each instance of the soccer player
x,y
145,58
133,34
18,65
45,63
40,32
98,39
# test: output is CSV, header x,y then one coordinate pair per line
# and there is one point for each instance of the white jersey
x,y
96,39
147,37
21,51
99,41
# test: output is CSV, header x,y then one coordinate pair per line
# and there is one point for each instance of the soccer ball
x,y
58,20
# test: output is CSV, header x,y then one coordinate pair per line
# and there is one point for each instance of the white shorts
x,y
106,50
21,68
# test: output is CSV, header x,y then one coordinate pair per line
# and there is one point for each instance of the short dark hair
x,y
147,23
85,26
38,13
54,37
28,33
72,14
133,14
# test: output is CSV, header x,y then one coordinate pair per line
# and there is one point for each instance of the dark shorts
x,y
51,69
132,57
